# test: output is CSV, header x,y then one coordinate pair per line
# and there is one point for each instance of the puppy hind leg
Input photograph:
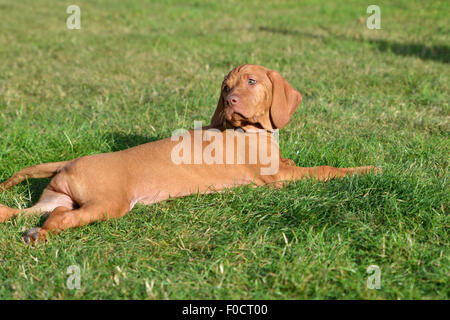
x,y
48,201
63,218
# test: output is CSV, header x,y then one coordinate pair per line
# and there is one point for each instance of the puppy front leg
x,y
323,173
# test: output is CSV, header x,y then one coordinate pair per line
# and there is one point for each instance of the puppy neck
x,y
251,127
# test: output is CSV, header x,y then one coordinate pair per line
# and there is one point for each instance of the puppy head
x,y
253,96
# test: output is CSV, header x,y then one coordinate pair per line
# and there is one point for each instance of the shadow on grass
x,y
435,52
439,53
121,141
36,187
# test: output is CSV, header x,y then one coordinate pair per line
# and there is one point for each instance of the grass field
x,y
137,70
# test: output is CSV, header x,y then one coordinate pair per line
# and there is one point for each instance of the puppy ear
x,y
285,99
219,115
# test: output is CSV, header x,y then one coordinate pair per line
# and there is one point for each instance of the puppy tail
x,y
44,170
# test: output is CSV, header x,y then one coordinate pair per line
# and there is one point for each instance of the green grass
x,y
137,70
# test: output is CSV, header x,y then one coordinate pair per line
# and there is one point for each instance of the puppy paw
x,y
368,169
34,235
287,162
374,169
5,213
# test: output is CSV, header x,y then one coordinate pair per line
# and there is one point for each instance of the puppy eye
x,y
251,81
226,88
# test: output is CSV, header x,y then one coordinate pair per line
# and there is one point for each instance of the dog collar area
x,y
272,132
275,133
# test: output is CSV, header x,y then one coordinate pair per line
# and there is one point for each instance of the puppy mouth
x,y
233,115
237,119
238,116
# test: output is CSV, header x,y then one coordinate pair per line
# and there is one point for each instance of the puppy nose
x,y
232,100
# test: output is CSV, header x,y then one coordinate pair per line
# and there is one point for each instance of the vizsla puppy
x,y
254,101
